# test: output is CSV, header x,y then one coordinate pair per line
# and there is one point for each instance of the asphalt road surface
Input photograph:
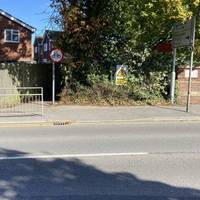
x,y
101,162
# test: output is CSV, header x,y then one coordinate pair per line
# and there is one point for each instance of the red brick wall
x,y
15,51
183,87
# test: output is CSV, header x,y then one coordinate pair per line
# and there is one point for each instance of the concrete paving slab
x,y
64,115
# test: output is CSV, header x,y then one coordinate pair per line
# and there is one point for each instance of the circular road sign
x,y
56,55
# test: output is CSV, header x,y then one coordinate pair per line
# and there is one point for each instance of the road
x,y
101,162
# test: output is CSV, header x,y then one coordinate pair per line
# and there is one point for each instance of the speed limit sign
x,y
56,55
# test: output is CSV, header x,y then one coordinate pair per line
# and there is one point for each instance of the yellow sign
x,y
121,75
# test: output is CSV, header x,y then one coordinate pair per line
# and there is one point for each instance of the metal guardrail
x,y
21,101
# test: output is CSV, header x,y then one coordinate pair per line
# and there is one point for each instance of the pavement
x,y
68,114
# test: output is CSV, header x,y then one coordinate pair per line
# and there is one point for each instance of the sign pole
x,y
56,56
191,64
173,78
53,82
190,81
183,35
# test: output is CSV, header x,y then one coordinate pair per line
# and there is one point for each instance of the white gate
x,y
21,101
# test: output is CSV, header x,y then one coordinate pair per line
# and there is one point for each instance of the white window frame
x,y
45,47
44,60
12,33
36,49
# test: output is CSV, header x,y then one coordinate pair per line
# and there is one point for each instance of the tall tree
x,y
102,33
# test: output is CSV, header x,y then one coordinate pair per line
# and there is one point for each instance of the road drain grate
x,y
61,123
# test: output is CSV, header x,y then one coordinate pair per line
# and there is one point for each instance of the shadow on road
x,y
194,109
172,108
58,179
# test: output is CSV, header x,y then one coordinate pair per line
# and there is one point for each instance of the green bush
x,y
151,87
7,101
101,91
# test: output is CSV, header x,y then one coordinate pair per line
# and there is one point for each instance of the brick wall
x,y
182,78
15,51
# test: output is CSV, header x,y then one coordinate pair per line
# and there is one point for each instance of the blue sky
x,y
33,12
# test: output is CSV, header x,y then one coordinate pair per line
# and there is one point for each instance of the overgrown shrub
x,y
101,91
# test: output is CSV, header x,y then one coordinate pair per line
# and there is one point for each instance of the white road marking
x,y
25,157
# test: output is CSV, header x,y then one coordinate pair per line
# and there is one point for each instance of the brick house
x,y
48,42
38,49
15,39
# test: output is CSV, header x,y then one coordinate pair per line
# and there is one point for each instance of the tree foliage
x,y
100,34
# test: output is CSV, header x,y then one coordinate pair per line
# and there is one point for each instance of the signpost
x,y
121,74
55,56
183,35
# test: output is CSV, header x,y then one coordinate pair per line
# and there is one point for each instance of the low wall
x,y
182,77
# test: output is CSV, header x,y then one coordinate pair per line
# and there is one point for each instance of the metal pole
x,y
173,78
53,83
190,81
42,96
191,64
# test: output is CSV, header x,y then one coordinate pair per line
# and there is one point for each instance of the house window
x,y
36,49
11,35
45,47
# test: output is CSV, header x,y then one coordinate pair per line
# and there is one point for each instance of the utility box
x,y
183,77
